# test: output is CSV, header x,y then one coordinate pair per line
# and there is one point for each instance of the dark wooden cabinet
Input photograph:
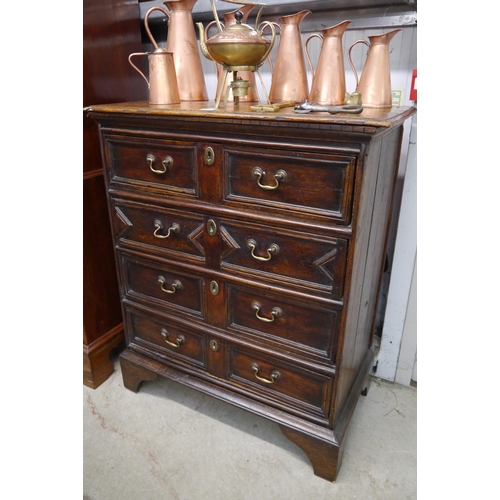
x,y
250,249
111,31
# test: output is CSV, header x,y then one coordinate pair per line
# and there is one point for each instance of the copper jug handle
x,y
307,52
134,66
146,23
350,60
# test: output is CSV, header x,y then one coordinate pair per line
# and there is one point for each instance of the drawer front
x,y
293,183
164,165
165,338
293,259
279,381
177,233
163,286
283,323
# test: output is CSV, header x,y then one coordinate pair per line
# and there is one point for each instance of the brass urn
x,y
238,44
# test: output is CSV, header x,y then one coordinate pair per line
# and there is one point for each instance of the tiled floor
x,y
171,442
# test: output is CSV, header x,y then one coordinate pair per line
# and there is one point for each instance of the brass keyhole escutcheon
x,y
209,156
214,345
211,227
214,288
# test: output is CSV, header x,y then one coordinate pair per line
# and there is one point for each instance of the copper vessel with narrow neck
x,y
181,41
289,78
328,83
375,82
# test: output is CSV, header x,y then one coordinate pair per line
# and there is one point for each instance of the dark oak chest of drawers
x,y
250,250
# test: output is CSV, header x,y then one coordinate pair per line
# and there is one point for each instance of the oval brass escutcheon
x,y
211,227
214,345
209,156
214,288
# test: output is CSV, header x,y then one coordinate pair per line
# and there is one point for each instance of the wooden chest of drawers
x,y
249,250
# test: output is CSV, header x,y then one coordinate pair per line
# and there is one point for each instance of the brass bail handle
x,y
317,35
276,25
273,36
350,60
214,10
146,22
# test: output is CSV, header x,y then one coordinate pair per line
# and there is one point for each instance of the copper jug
x,y
182,43
289,78
328,83
229,18
162,82
375,82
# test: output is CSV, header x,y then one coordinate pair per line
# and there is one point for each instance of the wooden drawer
x,y
177,233
303,184
279,381
164,338
162,285
283,323
143,162
293,259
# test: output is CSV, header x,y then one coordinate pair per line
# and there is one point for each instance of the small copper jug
x,y
162,82
375,82
181,41
289,78
328,83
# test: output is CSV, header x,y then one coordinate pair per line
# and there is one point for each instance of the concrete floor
x,y
171,442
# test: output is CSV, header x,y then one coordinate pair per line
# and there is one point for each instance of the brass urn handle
x,y
273,249
275,374
167,162
279,176
275,313
176,285
178,341
158,225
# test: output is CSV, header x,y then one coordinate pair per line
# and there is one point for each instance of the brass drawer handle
x,y
167,162
275,313
174,227
279,176
176,285
275,374
272,250
180,339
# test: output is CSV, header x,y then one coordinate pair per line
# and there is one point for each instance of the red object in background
x,y
413,91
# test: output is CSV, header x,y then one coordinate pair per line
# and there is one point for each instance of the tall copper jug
x,y
328,83
229,19
375,82
181,41
289,78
